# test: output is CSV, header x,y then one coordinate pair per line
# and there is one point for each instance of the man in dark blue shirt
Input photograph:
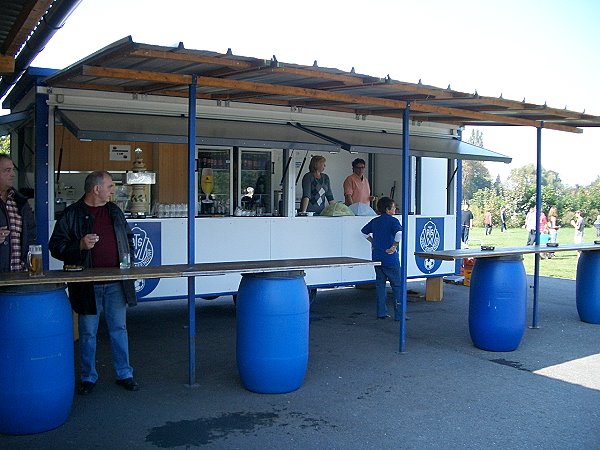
x,y
384,232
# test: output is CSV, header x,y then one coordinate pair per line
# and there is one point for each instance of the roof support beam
x,y
243,65
433,93
311,93
344,79
198,59
511,105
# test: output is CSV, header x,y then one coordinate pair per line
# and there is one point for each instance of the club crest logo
x,y
145,236
143,247
429,237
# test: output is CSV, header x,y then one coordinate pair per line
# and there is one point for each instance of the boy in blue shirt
x,y
384,233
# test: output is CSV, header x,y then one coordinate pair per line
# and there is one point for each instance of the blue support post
x,y
538,209
405,205
42,218
191,222
458,178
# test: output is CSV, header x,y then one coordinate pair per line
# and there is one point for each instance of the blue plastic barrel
x,y
272,331
37,375
587,286
498,303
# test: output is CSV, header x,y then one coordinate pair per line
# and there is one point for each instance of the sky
x,y
543,51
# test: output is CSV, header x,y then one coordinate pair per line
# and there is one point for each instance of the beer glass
x,y
206,183
34,260
125,262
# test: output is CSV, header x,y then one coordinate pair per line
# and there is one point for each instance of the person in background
x,y
17,225
579,225
259,190
488,222
384,233
553,224
530,226
356,185
93,232
552,227
544,235
597,225
543,223
502,219
466,220
248,198
316,187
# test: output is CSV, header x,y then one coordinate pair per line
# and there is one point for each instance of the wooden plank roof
x,y
17,22
130,67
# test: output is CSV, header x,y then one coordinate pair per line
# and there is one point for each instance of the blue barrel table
x,y
587,286
272,331
498,303
37,374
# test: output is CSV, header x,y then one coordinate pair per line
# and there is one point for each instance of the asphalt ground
x,y
359,391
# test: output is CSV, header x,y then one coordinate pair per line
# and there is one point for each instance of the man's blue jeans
x,y
110,299
391,274
465,234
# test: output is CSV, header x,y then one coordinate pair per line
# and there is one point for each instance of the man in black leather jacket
x,y
93,232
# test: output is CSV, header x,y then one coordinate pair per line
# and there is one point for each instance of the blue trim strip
x,y
309,286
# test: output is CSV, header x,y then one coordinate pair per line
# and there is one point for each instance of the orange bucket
x,y
467,274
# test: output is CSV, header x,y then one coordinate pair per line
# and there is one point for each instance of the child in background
x,y
579,225
384,233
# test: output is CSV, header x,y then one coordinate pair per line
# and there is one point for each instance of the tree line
x,y
4,144
517,194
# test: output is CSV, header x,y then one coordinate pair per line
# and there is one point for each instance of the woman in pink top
x,y
356,186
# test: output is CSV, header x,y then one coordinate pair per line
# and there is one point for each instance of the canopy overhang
x,y
390,142
91,125
10,122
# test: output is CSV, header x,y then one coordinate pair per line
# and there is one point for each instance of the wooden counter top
x,y
178,270
476,252
275,265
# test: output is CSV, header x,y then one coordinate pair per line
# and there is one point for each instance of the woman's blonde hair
x,y
314,162
553,212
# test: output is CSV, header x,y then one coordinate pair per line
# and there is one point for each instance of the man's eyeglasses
x,y
359,167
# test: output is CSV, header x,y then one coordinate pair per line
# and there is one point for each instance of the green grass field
x,y
562,265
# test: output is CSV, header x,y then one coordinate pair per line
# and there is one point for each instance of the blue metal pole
x,y
405,206
458,202
42,215
191,219
538,209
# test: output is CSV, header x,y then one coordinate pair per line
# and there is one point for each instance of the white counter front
x,y
222,239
